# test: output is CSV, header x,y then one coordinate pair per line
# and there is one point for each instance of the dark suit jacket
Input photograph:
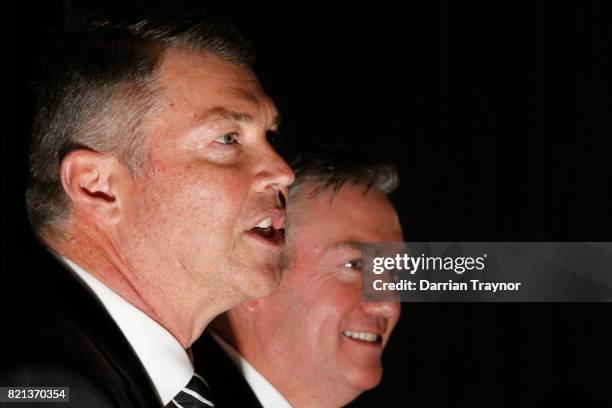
x,y
228,387
57,334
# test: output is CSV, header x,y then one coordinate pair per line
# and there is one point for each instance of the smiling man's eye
x,y
354,264
227,139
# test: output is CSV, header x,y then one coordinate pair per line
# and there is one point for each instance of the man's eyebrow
x,y
249,97
225,114
277,121
229,115
355,245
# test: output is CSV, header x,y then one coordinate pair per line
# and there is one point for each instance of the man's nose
x,y
273,172
388,310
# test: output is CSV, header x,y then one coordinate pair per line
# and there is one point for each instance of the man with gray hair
x,y
313,342
157,192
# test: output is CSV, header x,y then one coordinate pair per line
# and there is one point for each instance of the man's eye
x,y
272,136
354,264
227,139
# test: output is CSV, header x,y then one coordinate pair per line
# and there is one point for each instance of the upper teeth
x,y
365,336
267,223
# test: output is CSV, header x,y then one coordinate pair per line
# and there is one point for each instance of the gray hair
x,y
330,167
98,91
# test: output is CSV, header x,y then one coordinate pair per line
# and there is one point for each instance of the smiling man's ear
x,y
93,181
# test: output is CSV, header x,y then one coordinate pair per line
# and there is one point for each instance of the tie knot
x,y
195,394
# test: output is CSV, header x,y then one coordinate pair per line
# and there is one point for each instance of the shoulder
x,y
46,346
47,351
50,355
54,329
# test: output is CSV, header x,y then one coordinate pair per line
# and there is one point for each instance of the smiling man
x,y
155,187
313,342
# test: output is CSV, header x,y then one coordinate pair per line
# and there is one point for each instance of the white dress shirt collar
x,y
163,357
268,396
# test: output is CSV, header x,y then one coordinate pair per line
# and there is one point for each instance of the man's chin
x,y
258,271
262,280
364,378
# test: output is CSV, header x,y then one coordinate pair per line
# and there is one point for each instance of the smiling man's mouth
x,y
367,337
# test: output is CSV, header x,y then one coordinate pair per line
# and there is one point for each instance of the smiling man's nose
x,y
388,310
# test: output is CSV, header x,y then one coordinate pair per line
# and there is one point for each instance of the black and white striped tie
x,y
194,395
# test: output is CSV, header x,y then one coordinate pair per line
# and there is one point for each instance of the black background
x,y
497,115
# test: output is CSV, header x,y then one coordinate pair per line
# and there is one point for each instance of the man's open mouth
x,y
265,230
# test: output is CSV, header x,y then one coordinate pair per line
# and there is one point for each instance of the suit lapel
x,y
227,385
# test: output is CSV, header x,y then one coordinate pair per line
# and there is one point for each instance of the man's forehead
x,y
234,89
179,57
251,104
242,93
346,219
195,68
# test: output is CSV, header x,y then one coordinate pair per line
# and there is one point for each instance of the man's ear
x,y
92,181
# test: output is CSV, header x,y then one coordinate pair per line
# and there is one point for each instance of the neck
x,y
137,281
302,392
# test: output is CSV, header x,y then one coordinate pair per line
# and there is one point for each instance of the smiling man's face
x,y
210,177
315,324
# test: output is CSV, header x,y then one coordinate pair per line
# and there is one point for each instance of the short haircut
x,y
328,168
98,90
